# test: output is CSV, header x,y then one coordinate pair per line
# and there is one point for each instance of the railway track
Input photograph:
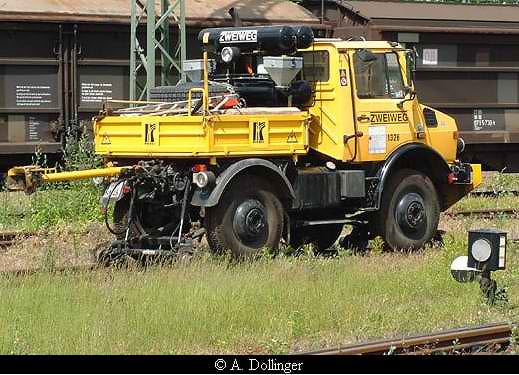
x,y
8,239
490,338
486,212
493,193
55,270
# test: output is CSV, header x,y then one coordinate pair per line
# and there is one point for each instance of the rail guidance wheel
x,y
410,211
322,237
358,239
248,218
120,217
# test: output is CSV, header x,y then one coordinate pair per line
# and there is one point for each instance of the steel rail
x,y
485,212
54,270
493,193
8,239
493,337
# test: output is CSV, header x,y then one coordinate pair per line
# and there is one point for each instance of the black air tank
x,y
304,36
268,39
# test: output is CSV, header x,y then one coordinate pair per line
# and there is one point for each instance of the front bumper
x,y
466,174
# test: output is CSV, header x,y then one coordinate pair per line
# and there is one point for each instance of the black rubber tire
x,y
180,92
219,221
400,185
322,237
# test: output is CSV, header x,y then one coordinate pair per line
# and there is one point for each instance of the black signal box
x,y
487,250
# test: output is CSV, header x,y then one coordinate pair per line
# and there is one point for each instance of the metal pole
x,y
61,80
206,82
165,65
66,86
75,89
146,58
150,47
322,11
182,31
133,52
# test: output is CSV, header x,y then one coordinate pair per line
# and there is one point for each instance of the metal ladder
x,y
183,107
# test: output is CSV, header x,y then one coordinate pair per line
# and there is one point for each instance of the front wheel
x,y
248,218
409,212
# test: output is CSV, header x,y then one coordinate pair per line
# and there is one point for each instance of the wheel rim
x,y
411,214
250,223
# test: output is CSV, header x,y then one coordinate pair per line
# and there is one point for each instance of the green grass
x,y
73,204
269,306
76,205
499,181
480,203
492,181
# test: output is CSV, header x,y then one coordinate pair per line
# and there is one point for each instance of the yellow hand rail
x,y
190,97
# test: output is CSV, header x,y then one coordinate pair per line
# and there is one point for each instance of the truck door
x,y
378,92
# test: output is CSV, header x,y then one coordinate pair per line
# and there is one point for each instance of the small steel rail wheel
x,y
322,237
410,210
358,239
248,219
120,220
110,257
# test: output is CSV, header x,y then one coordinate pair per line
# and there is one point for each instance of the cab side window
x,y
378,75
316,66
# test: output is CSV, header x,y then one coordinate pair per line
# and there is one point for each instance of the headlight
x,y
203,179
460,147
229,54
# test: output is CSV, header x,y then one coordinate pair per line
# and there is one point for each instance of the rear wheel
x,y
409,212
248,218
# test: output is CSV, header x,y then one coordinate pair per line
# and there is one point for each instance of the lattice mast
x,y
159,52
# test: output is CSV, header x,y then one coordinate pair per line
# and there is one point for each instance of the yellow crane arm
x,y
28,178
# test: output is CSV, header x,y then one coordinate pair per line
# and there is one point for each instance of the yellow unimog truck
x,y
279,137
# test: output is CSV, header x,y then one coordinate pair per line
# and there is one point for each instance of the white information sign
x,y
92,92
377,139
430,56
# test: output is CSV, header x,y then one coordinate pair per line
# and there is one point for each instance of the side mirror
x,y
411,57
408,90
409,94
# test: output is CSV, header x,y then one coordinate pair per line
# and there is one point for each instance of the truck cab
x,y
364,91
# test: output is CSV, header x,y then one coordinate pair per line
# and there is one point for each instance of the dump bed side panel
x,y
198,136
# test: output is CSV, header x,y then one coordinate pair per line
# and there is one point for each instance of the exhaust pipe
x,y
236,20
